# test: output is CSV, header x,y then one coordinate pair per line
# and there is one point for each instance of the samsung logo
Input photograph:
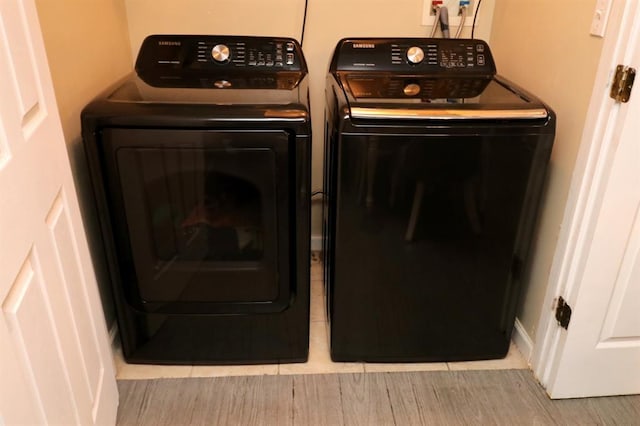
x,y
364,46
169,43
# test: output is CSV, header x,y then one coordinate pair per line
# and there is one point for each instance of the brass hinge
x,y
622,83
563,313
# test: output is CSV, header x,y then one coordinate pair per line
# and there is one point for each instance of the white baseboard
x,y
316,243
522,340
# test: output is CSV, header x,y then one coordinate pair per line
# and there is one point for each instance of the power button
x,y
290,59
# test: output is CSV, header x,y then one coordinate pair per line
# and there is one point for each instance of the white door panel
x,y
622,323
602,348
32,327
17,386
55,362
17,45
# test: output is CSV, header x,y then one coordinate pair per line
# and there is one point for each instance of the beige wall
x,y
328,21
88,49
551,54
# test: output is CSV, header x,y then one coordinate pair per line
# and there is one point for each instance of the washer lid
x,y
397,96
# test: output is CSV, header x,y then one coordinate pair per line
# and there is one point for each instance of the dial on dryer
x,y
220,53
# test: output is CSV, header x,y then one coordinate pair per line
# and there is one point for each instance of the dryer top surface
x,y
256,89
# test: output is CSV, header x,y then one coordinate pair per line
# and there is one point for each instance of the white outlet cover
x,y
453,7
600,17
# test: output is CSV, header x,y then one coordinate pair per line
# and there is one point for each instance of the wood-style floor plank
x,y
258,400
618,410
158,403
132,395
443,399
404,403
505,398
365,400
317,400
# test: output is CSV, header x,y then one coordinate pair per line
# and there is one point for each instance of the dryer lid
x,y
276,90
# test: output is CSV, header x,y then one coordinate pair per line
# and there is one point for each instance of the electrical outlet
x,y
453,6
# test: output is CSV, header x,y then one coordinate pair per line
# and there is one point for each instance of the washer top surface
x,y
411,78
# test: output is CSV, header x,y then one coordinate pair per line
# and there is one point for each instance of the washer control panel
x,y
432,56
404,87
219,54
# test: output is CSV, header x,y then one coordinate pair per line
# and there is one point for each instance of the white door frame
x,y
588,185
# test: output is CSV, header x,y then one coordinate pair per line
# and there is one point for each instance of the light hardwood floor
x,y
488,397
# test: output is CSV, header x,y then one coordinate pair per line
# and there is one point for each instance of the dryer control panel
x,y
218,54
424,56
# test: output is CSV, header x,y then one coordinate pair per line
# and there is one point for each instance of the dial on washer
x,y
220,53
415,55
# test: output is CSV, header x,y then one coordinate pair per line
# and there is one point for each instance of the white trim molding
x,y
522,340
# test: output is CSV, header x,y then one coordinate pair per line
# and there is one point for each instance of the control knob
x,y
411,89
415,55
220,53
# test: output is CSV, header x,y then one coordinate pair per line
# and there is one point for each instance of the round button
x,y
415,55
222,84
411,89
220,53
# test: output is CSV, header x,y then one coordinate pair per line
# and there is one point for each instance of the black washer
x,y
433,172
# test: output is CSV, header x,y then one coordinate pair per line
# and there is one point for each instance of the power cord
x,y
475,16
304,21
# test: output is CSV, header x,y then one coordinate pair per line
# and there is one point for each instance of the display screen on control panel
x,y
169,53
467,54
453,56
366,54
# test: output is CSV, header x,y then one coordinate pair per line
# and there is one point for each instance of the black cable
x,y
475,15
304,21
314,193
